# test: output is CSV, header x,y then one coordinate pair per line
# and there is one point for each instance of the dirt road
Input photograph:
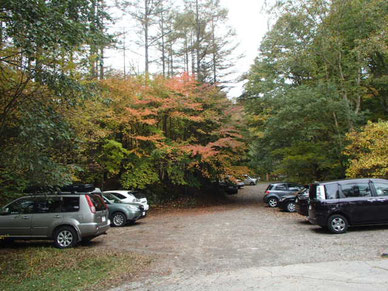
x,y
244,234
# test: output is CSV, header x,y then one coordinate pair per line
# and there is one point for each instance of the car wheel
x,y
119,219
337,224
65,237
6,241
252,183
291,207
273,202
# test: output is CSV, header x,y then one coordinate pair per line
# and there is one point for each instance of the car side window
x,y
70,204
381,188
47,205
110,195
356,190
121,196
332,191
280,187
21,206
293,187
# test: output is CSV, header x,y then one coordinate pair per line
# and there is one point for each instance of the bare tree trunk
x,y
146,45
214,53
101,59
198,32
162,30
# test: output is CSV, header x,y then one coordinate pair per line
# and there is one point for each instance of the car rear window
x,y
98,202
270,186
70,204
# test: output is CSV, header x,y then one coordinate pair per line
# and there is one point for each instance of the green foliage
x,y
112,155
312,83
42,55
139,175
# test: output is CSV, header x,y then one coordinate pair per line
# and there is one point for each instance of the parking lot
x,y
240,235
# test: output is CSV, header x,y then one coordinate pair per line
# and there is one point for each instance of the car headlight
x,y
132,207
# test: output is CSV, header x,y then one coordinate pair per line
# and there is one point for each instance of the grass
x,y
80,268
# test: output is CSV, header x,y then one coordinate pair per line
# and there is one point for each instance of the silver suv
x,y
67,218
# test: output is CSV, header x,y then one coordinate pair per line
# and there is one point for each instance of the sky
x,y
245,16
250,23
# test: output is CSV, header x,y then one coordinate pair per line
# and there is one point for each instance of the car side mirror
x,y
4,211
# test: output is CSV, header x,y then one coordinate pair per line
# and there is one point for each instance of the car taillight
x,y
321,193
103,201
90,203
267,192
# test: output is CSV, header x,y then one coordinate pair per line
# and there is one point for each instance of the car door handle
x,y
57,216
25,217
372,200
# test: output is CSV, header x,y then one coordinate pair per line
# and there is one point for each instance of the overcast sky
x,y
245,16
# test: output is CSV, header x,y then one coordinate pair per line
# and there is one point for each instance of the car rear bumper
x,y
93,229
302,207
317,218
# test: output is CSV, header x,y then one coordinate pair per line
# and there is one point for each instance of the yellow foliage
x,y
368,151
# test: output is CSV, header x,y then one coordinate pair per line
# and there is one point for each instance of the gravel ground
x,y
242,234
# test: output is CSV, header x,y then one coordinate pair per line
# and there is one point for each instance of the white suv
x,y
249,181
128,196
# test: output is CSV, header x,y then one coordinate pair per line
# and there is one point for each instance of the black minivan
x,y
338,204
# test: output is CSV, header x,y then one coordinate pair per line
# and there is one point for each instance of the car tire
x,y
253,184
273,202
6,241
291,207
119,219
65,237
337,224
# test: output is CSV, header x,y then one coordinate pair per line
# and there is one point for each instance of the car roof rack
x,y
74,188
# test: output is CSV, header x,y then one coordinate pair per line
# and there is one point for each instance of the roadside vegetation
x,y
320,77
47,268
65,118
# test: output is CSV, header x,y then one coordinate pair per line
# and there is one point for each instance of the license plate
x,y
103,219
143,213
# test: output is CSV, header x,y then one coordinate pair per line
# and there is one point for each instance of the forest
x,y
314,107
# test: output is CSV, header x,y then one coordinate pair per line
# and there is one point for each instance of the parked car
x,y
121,213
240,184
302,201
287,203
128,196
228,186
66,218
336,205
113,197
249,181
276,191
